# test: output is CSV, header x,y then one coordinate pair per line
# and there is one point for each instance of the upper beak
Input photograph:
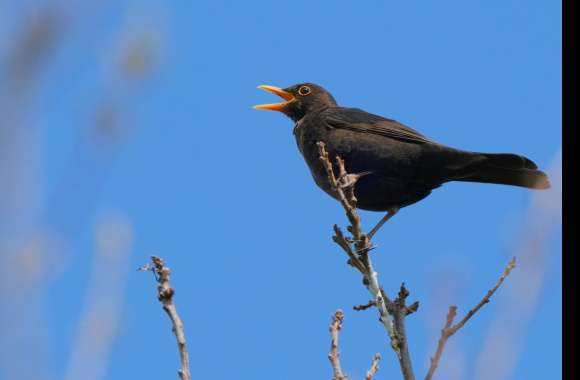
x,y
281,93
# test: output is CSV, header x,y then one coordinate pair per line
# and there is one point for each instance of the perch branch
x,y
357,248
449,329
165,295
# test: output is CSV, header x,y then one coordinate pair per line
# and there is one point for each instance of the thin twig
x,y
374,367
334,355
399,312
449,329
511,265
351,213
391,313
367,305
165,295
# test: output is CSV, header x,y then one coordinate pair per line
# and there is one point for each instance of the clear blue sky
x,y
221,192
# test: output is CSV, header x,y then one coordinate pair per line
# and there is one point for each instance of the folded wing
x,y
357,120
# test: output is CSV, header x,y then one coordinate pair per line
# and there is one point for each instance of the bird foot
x,y
349,180
366,249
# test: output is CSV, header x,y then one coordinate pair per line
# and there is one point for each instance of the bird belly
x,y
382,193
391,182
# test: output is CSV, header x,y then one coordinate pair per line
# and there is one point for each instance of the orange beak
x,y
276,106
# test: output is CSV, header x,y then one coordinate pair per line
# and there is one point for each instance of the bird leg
x,y
389,215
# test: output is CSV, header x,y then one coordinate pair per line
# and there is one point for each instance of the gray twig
x,y
334,355
374,367
165,295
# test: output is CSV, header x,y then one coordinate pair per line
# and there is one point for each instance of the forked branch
x,y
334,355
392,313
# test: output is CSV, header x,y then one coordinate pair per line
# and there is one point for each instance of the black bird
x,y
399,165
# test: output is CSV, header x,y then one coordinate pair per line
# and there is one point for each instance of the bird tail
x,y
503,168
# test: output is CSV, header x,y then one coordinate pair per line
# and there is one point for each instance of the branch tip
x,y
165,295
450,329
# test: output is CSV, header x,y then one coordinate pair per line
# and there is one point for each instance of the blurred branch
x,y
392,313
505,339
33,44
40,31
450,329
98,324
334,355
165,295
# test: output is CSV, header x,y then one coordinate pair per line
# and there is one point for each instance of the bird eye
x,y
304,90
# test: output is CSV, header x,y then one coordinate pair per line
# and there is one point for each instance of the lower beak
x,y
276,106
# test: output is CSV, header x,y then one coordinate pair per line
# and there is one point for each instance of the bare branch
x,y
391,313
511,265
374,367
367,305
449,329
165,295
334,355
351,213
399,311
442,341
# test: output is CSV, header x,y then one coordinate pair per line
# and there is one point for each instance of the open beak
x,y
287,96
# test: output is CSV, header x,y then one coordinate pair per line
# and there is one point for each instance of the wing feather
x,y
356,120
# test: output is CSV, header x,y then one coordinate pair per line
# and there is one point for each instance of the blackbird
x,y
393,165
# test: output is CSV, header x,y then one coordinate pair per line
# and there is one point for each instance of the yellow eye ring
x,y
304,90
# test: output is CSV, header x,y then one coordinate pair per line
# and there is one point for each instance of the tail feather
x,y
506,169
509,161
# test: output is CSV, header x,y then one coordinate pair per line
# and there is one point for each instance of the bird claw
x,y
366,250
349,180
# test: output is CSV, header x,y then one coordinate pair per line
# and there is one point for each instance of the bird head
x,y
299,99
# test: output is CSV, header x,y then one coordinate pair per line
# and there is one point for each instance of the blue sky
x,y
195,175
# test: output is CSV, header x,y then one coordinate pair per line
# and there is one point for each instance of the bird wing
x,y
357,120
